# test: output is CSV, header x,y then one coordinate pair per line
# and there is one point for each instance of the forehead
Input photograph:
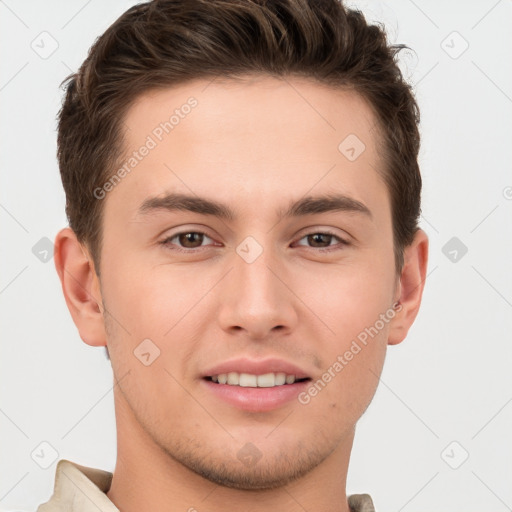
x,y
260,106
260,138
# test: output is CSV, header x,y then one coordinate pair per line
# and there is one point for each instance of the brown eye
x,y
320,239
185,240
323,240
191,240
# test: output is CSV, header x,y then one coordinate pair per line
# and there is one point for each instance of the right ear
x,y
81,287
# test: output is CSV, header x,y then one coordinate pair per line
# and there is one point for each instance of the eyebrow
x,y
309,205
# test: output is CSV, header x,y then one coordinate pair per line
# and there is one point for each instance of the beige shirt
x,y
82,489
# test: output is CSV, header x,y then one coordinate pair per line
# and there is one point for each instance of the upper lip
x,y
256,367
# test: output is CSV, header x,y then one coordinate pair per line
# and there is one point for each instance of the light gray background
x,y
449,381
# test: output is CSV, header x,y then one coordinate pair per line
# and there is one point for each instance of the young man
x,y
243,194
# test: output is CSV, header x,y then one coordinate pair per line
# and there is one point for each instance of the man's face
x,y
258,293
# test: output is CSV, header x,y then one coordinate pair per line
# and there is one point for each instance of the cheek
x,y
157,303
149,299
357,308
350,298
145,335
349,379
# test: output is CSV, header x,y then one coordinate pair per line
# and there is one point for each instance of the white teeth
x,y
280,379
233,379
267,380
290,379
248,380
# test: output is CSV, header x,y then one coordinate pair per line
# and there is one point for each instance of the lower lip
x,y
256,399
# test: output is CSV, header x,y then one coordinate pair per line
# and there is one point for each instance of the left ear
x,y
410,287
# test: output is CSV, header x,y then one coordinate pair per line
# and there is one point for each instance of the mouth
x,y
255,385
249,380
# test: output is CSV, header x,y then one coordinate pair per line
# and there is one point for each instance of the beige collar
x,y
79,489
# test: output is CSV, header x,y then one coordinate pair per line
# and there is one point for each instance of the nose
x,y
257,299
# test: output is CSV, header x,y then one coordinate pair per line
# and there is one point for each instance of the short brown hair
x,y
163,43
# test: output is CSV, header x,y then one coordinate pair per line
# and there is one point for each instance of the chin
x,y
264,475
252,470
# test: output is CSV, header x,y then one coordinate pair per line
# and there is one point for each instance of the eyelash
x,y
166,243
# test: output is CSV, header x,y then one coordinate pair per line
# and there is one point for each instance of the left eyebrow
x,y
305,206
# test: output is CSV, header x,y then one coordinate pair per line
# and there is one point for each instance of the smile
x,y
248,380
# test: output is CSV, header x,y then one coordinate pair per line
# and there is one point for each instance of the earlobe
x,y
412,283
80,286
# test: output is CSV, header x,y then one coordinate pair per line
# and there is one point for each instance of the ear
x,y
80,286
410,287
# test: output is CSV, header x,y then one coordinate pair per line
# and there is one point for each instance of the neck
x,y
148,478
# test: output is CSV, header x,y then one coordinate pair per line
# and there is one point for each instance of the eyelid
x,y
198,228
343,236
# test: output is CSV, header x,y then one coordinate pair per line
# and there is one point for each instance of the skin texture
x,y
255,145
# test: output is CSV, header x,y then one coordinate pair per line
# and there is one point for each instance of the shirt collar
x,y
79,489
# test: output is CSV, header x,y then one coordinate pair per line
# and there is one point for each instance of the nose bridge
x,y
256,298
257,281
